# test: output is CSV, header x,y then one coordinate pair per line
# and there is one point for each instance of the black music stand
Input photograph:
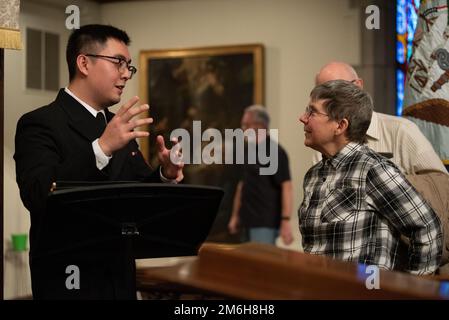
x,y
102,229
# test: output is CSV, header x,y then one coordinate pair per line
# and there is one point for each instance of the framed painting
x,y
210,86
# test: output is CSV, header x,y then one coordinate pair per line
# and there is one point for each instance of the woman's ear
x,y
342,127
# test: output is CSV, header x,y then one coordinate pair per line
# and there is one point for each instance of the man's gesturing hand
x,y
170,169
120,130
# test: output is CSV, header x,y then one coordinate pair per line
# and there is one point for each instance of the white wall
x,y
299,36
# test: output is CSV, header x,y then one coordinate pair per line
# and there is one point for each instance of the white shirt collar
x,y
373,129
84,104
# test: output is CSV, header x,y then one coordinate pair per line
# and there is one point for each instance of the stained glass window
x,y
406,20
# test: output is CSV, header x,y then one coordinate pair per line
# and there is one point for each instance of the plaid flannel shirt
x,y
356,206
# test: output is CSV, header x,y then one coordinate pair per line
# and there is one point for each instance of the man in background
x,y
262,203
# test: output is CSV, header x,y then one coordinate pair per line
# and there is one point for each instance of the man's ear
x,y
82,65
342,127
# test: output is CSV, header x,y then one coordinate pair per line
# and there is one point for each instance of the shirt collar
x,y
84,104
340,158
373,129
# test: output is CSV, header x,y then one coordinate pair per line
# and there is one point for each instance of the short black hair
x,y
88,39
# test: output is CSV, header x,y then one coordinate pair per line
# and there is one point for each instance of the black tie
x,y
101,122
101,125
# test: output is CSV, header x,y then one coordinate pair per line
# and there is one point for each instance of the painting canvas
x,y
212,85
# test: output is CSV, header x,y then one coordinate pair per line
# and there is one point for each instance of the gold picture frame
x,y
210,84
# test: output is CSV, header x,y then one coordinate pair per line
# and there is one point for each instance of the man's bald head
x,y
338,71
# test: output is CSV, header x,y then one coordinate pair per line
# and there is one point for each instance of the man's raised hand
x,y
120,130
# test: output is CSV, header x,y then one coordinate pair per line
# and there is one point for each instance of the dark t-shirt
x,y
261,202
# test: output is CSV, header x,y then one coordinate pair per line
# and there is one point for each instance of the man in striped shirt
x,y
357,204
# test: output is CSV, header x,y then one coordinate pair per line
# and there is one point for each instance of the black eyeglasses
x,y
122,64
311,112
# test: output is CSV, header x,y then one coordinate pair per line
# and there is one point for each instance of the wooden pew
x,y
257,271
